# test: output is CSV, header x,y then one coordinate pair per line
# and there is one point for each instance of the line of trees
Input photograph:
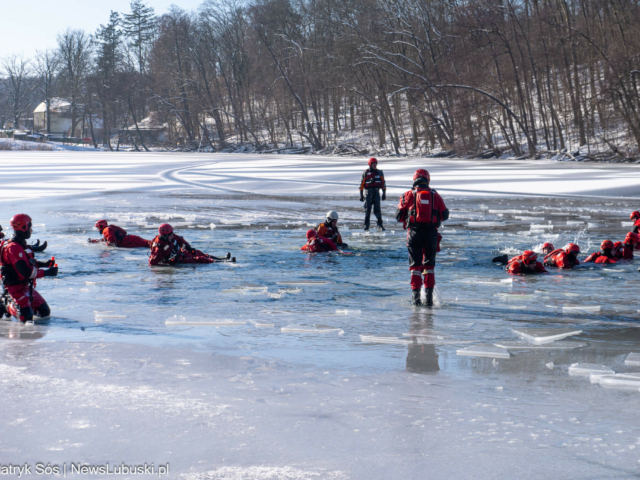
x,y
399,76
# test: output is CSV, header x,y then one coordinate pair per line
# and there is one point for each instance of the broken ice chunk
x,y
385,339
199,323
515,296
431,339
542,336
486,224
561,345
633,359
587,369
261,324
304,282
483,350
621,381
344,311
581,308
309,329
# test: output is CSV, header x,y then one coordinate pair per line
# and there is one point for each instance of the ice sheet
x,y
483,350
587,369
581,308
621,381
385,339
542,336
520,345
633,359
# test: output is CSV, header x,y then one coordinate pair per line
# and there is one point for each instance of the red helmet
x,y
572,248
373,160
311,234
529,257
101,225
606,244
617,245
547,245
20,222
421,173
634,215
165,229
631,238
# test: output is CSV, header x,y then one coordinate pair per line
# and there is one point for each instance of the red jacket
x,y
113,235
517,267
636,226
319,245
599,257
163,251
19,266
560,259
406,206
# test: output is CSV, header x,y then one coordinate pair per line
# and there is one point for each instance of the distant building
x,y
60,115
151,130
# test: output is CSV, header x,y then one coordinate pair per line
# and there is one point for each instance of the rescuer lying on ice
x,y
20,270
171,249
635,216
317,244
329,230
624,250
525,264
422,210
564,258
604,256
547,248
118,237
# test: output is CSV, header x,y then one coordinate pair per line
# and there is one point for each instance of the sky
x,y
33,25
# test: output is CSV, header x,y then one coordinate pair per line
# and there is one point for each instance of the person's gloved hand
x,y
47,264
52,272
36,247
361,197
192,251
384,195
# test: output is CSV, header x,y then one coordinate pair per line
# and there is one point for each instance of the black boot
x,y
429,297
502,259
415,299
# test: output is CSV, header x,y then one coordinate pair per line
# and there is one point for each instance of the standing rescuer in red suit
x,y
20,270
422,211
372,181
118,237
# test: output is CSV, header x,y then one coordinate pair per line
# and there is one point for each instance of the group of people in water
x,y
421,210
567,257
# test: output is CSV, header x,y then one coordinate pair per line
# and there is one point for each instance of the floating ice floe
x,y
108,315
205,323
304,282
261,324
528,219
541,227
470,301
483,350
543,336
385,339
431,339
522,345
633,359
621,381
309,329
136,258
581,308
344,311
588,369
515,296
290,290
575,222
486,224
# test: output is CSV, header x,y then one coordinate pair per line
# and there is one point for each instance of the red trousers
x,y
199,257
20,295
134,241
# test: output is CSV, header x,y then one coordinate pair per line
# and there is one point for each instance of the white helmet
x,y
332,215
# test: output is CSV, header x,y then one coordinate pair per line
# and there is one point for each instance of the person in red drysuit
x,y
564,258
635,216
372,181
422,210
525,264
318,244
547,248
604,256
115,236
171,249
20,270
624,250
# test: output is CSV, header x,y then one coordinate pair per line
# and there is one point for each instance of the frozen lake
x,y
323,369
